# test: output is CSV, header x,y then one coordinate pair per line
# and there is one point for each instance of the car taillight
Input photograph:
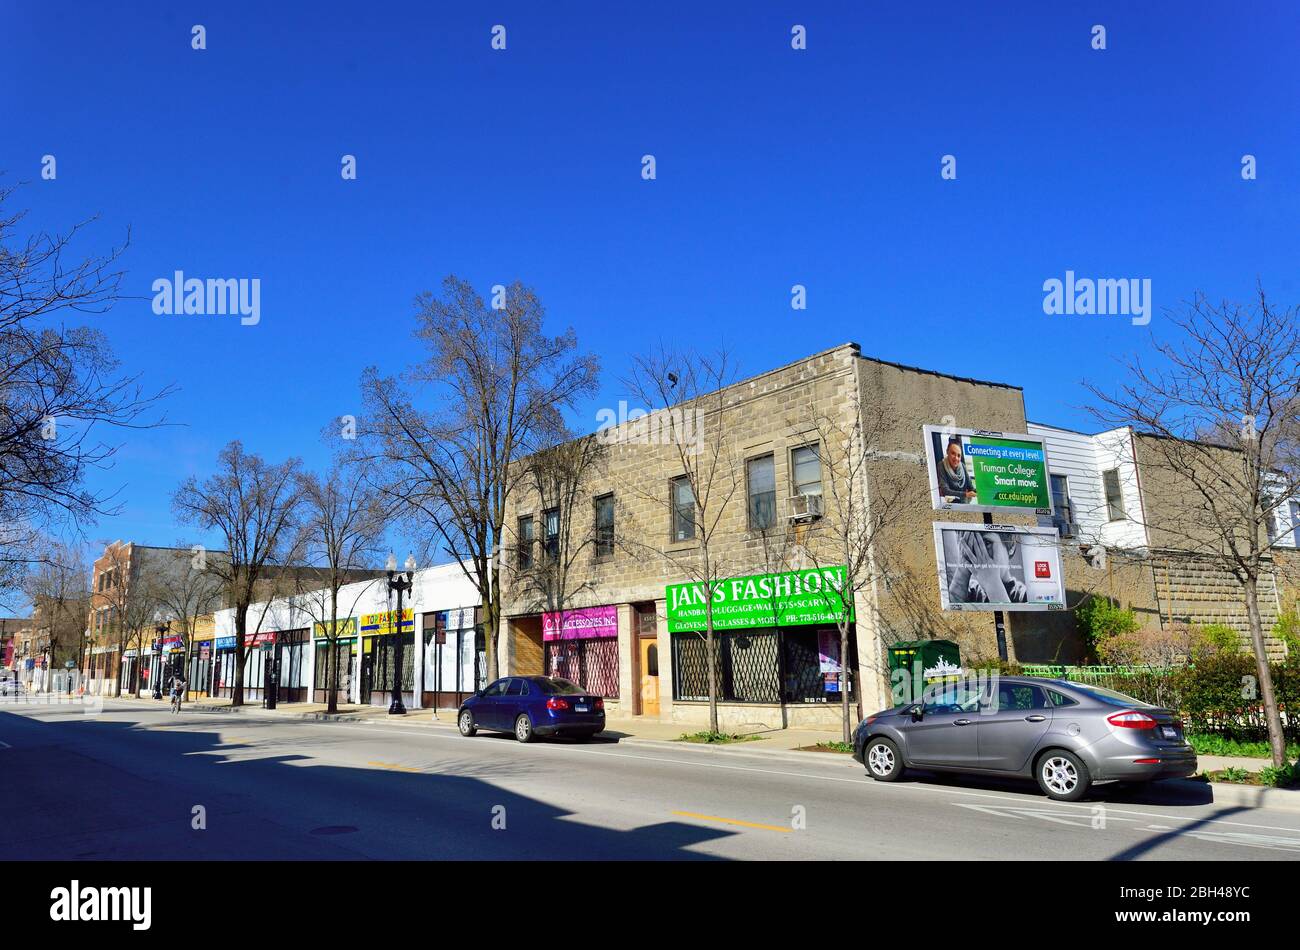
x,y
1146,761
600,703
556,703
1132,720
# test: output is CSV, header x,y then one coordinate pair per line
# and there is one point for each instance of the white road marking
x,y
877,787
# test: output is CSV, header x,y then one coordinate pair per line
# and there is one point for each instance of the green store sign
x,y
793,598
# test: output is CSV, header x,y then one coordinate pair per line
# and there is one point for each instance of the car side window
x,y
1059,699
496,689
1018,696
518,687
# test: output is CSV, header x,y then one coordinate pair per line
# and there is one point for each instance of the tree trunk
x,y
490,631
241,624
332,675
1276,739
708,654
844,678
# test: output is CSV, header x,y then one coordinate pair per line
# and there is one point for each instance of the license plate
x,y
1169,732
582,708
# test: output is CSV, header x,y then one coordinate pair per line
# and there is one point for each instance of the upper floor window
x,y
683,509
1063,517
551,532
605,526
761,476
524,549
1114,496
806,466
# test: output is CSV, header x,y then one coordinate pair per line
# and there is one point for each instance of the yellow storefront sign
x,y
385,622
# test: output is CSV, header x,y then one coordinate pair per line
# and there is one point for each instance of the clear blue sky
x,y
775,167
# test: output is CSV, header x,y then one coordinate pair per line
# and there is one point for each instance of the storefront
x,y
379,642
776,640
581,645
255,656
199,674
454,657
335,661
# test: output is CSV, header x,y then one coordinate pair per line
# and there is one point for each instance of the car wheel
x,y
466,723
524,728
883,762
1062,776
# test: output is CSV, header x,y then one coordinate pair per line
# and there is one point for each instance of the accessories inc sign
x,y
793,598
580,624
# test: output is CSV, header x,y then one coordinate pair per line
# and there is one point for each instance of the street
x,y
135,782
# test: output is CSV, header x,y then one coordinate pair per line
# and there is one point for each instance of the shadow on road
x,y
109,789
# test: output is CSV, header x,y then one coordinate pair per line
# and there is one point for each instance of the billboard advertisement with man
x,y
978,470
998,567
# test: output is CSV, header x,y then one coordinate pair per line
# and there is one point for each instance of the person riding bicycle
x,y
178,691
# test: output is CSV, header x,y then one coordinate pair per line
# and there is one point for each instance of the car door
x,y
514,702
945,735
1012,722
487,711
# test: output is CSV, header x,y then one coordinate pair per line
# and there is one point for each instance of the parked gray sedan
x,y
1068,736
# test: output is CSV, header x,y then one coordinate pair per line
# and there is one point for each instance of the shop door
x,y
649,676
367,670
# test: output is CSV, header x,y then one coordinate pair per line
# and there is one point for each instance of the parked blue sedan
x,y
531,706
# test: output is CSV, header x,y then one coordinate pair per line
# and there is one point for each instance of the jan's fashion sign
x,y
998,567
979,470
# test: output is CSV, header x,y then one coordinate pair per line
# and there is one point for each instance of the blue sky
x,y
775,167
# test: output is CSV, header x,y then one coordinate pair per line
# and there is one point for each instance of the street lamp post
x,y
162,628
395,582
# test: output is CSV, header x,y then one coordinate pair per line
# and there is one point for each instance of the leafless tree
x,y
860,503
61,389
186,590
58,586
497,385
1221,395
343,527
685,394
254,507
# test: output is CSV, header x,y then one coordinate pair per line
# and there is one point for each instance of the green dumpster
x,y
918,663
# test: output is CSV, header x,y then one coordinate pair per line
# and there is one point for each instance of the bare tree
x,y
343,527
685,393
58,586
1222,399
499,385
60,387
860,504
254,508
132,601
186,590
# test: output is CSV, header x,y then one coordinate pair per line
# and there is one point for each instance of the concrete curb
x,y
1256,796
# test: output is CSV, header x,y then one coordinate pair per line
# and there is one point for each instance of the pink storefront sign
x,y
580,624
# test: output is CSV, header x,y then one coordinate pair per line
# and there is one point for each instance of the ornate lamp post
x,y
395,582
161,627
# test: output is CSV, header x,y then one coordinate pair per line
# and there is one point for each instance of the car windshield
x,y
1109,696
554,686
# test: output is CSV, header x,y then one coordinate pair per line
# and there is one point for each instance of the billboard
x,y
979,470
998,567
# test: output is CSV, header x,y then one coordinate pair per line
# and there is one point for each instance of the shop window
x,y
761,479
683,499
792,665
524,547
591,663
605,526
806,468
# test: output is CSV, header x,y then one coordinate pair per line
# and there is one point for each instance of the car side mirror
x,y
918,713
478,693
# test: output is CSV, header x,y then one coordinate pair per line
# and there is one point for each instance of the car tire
x,y
465,723
1062,776
882,759
524,728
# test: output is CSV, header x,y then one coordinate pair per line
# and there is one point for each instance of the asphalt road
x,y
132,782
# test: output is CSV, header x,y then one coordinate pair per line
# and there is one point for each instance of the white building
x,y
442,644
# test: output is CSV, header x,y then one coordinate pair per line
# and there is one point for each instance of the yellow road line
x,y
735,821
392,766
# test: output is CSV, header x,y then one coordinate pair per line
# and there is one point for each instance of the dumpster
x,y
916,664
